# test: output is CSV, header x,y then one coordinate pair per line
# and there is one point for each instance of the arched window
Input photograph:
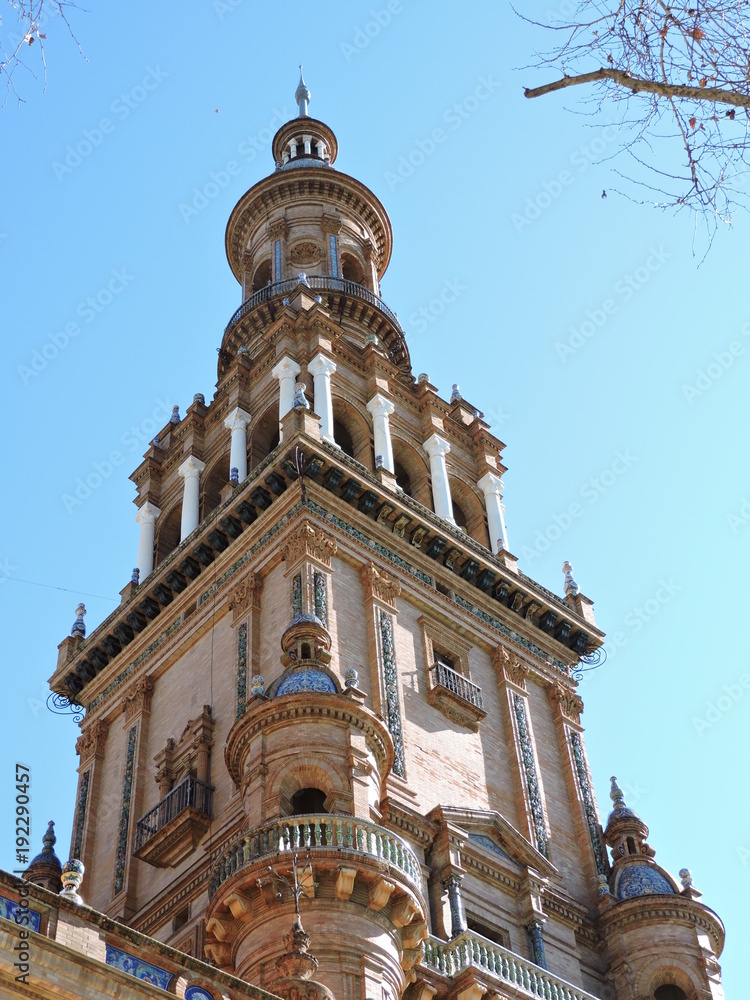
x,y
308,800
168,533
265,436
631,845
351,269
262,276
213,482
458,516
352,432
402,478
343,438
412,473
669,992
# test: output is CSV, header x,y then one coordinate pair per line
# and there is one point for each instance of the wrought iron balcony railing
x,y
317,832
457,684
189,794
472,950
320,283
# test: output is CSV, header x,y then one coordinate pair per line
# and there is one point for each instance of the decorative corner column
x,y
136,707
534,930
567,707
237,422
437,448
308,553
90,749
286,371
321,368
452,883
244,602
190,470
492,487
146,517
511,676
381,410
381,589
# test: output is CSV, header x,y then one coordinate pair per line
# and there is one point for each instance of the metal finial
x,y
302,95
571,587
79,628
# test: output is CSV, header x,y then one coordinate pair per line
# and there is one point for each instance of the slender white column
x,y
321,368
146,517
237,422
381,409
492,487
437,448
286,371
190,470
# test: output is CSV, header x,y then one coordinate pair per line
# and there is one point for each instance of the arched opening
x,y
351,431
168,533
669,992
411,472
214,481
351,269
343,438
468,511
402,478
308,800
262,276
631,845
265,436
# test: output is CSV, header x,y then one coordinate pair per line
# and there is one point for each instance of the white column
x,y
190,470
437,448
146,517
237,422
321,368
381,409
286,371
492,487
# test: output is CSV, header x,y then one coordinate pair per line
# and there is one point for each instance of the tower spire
x,y
302,95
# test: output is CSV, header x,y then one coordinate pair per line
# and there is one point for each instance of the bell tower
x,y
330,700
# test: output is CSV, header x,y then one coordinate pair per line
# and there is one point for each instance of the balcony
x,y
173,829
340,838
457,697
472,951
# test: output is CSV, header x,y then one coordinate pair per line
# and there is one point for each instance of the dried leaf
x,y
692,122
698,34
704,81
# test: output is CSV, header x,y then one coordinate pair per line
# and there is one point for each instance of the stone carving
x,y
380,584
243,596
137,699
331,225
309,542
510,668
278,230
567,702
305,253
91,741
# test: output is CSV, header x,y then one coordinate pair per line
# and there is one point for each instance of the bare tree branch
x,y
712,94
22,30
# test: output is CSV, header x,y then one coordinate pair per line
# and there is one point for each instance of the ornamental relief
x,y
91,742
137,698
509,668
308,541
380,584
244,595
567,702
305,253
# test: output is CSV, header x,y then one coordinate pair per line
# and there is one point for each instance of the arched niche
x,y
354,434
296,774
262,276
167,536
264,436
352,268
412,472
213,481
468,511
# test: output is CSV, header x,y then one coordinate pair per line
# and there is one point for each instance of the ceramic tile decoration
x,y
241,669
127,788
135,966
9,909
83,795
532,780
592,819
390,677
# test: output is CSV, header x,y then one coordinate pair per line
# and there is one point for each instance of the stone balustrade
x,y
323,832
470,950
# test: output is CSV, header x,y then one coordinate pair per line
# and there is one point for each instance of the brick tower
x,y
329,687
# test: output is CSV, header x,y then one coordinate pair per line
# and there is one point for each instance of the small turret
x,y
45,870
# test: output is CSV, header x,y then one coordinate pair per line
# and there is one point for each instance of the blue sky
x,y
614,366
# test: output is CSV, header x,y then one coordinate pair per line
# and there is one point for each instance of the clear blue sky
x,y
611,465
